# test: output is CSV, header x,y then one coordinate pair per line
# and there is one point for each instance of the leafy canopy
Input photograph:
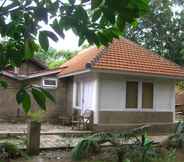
x,y
161,29
97,21
54,58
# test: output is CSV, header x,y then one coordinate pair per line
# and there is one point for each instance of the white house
x,y
122,84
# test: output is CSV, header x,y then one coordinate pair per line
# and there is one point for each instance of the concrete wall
x,y
9,106
116,117
69,95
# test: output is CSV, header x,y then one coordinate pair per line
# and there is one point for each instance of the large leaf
x,y
39,98
23,98
26,104
43,40
52,36
47,94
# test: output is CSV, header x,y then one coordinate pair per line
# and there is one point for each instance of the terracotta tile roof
x,y
122,55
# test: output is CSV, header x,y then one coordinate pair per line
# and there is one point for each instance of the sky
x,y
70,42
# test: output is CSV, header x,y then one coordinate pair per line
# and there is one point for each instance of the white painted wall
x,y
108,93
164,98
112,94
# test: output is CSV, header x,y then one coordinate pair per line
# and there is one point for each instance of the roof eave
x,y
26,77
138,74
74,73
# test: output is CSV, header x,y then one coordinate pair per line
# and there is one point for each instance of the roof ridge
x,y
96,59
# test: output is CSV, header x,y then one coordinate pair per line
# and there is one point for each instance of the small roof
x,y
42,73
122,55
38,62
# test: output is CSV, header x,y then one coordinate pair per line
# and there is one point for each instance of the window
x,y
78,94
50,83
147,95
132,94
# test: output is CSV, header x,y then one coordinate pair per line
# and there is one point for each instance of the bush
x,y
9,151
177,139
93,143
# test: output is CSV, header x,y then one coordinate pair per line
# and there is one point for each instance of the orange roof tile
x,y
122,55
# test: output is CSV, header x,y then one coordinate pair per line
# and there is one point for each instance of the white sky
x,y
70,42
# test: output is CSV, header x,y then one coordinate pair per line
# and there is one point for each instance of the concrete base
x,y
154,129
134,117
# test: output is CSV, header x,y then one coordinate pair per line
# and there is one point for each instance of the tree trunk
x,y
33,140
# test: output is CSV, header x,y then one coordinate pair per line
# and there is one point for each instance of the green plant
x,y
92,144
168,156
177,139
9,150
36,116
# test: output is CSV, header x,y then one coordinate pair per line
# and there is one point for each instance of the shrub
x,y
177,139
9,151
93,143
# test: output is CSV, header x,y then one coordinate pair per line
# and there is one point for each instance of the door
x,y
87,96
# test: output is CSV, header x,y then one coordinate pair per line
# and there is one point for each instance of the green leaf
x,y
47,94
95,3
26,104
43,40
52,36
23,98
81,40
120,23
39,98
29,50
3,84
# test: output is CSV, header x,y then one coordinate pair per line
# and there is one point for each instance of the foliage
x,y
97,21
168,156
161,30
54,58
36,116
180,85
8,150
177,139
40,95
93,143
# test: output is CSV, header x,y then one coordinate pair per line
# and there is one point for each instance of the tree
x,y
97,21
161,30
54,58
